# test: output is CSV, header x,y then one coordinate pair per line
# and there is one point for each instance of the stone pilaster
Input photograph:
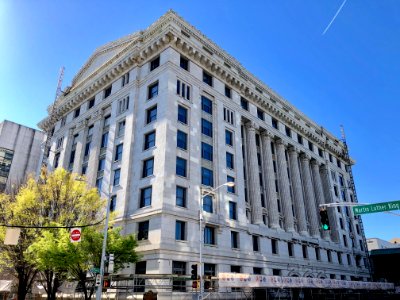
x,y
95,150
309,197
269,178
66,152
284,187
252,174
298,199
319,192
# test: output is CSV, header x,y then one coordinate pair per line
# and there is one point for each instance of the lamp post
x,y
103,249
201,234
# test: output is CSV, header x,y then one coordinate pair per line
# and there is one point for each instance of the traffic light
x,y
194,272
323,213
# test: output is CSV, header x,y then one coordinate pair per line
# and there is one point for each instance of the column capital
x,y
266,133
293,149
71,131
98,114
315,162
305,156
251,126
279,141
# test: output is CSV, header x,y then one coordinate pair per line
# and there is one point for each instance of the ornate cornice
x,y
172,30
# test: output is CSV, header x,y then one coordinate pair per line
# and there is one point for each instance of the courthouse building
x,y
161,118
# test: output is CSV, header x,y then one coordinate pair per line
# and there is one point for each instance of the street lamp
x,y
201,234
103,249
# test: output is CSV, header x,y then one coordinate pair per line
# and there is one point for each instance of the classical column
x,y
319,192
309,198
269,178
327,186
252,174
284,187
95,148
298,198
66,151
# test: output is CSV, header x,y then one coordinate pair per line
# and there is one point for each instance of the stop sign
x,y
75,235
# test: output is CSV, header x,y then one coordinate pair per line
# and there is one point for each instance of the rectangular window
x,y
348,259
299,139
87,150
257,271
206,128
229,116
232,210
143,231
180,166
152,90
206,105
209,270
209,235
305,251
56,160
148,167
149,140
339,257
182,114
63,121
123,105
181,193
121,128
274,246
118,152
329,254
125,79
155,63
317,253
145,197
244,103
288,131
207,177
113,203
77,112
228,91
102,164
230,189
260,114
90,130
208,204
117,176
183,89
180,231
151,114
99,183
181,140
276,272
179,268
104,140
290,248
228,137
206,151
207,78
229,160
310,146
234,240
236,269
275,123
91,103
320,152
107,91
184,63
344,240
256,243
107,121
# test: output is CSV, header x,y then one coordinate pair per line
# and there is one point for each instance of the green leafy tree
x,y
53,199
75,261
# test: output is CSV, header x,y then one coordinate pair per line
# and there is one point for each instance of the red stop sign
x,y
75,235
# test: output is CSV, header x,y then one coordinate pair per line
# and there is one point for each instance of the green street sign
x,y
377,207
95,270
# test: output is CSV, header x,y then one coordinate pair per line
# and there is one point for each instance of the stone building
x,y
161,117
19,153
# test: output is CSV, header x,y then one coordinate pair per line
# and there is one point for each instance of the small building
x,y
20,152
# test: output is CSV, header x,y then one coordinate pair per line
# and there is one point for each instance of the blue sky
x,y
349,75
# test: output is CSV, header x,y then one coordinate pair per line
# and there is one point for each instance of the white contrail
x,y
334,17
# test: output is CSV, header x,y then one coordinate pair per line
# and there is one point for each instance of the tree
x,y
76,260
53,199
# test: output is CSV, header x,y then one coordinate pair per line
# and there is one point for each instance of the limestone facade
x,y
162,116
